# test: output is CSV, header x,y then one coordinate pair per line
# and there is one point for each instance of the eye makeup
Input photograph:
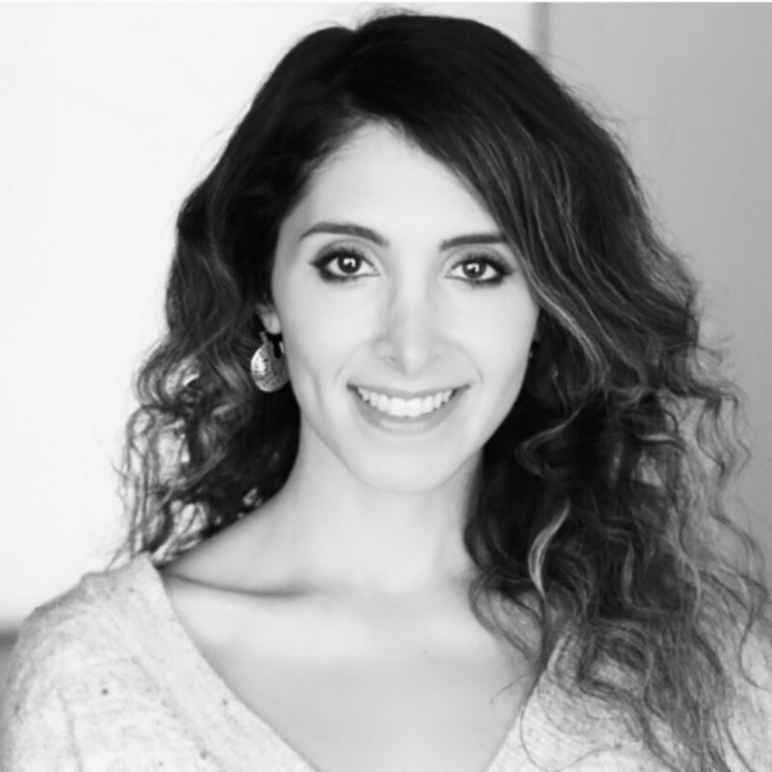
x,y
350,259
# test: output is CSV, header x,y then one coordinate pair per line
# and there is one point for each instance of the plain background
x,y
111,113
686,86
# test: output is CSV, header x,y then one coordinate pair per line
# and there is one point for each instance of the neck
x,y
338,534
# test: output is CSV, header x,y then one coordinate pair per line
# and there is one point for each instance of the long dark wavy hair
x,y
603,493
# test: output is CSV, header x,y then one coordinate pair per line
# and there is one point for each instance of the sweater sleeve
x,y
35,728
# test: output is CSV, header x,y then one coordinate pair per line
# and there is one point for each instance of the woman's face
x,y
396,308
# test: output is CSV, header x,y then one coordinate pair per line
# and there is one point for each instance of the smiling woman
x,y
428,469
405,309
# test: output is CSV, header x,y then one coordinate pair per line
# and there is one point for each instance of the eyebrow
x,y
350,229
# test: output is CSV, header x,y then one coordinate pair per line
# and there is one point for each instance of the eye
x,y
483,269
347,260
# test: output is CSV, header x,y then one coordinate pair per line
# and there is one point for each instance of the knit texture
x,y
105,678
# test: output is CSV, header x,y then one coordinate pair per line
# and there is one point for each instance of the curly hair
x,y
603,493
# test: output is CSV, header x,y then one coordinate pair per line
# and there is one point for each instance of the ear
x,y
269,318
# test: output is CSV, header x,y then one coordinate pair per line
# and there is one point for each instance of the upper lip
x,y
406,394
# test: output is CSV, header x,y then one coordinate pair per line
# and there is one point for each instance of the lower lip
x,y
407,424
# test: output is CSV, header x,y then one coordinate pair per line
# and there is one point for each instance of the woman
x,y
428,470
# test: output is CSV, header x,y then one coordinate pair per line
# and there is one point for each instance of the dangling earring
x,y
269,372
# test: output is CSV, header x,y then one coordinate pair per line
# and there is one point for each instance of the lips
x,y
422,422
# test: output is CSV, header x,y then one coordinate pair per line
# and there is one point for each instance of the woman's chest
x,y
414,715
345,706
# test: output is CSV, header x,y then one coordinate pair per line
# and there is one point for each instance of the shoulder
x,y
751,718
74,633
80,621
757,656
64,656
586,731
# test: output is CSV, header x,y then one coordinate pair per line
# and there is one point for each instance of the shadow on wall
x,y
7,639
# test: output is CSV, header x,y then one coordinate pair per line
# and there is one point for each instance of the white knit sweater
x,y
104,678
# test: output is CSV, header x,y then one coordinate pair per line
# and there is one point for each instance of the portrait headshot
x,y
386,388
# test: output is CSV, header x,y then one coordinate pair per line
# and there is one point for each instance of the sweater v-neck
x,y
199,676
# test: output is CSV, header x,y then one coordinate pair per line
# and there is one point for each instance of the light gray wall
x,y
689,87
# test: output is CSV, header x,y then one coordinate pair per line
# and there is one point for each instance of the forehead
x,y
381,174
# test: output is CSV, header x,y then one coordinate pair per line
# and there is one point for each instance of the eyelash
x,y
324,260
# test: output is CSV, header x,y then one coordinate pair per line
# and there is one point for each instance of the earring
x,y
269,372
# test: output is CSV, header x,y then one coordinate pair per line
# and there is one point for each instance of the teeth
x,y
399,408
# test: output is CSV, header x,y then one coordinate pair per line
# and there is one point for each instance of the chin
x,y
405,475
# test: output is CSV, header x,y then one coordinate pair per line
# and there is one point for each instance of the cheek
x,y
501,348
317,334
501,333
502,373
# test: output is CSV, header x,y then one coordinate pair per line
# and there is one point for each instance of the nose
x,y
410,331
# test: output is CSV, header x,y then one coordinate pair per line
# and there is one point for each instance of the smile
x,y
398,407
402,412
